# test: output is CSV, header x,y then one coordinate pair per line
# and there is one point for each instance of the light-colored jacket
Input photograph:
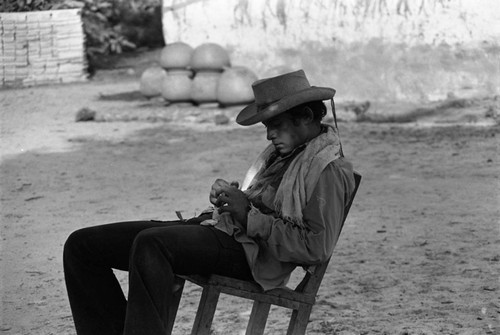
x,y
275,247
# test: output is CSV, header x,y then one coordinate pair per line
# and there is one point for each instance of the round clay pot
x,y
176,86
176,55
235,86
204,88
151,81
209,56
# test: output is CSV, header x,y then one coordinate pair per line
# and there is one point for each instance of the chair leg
x,y
174,304
206,311
258,318
299,320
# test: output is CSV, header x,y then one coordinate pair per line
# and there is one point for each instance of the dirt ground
x,y
419,253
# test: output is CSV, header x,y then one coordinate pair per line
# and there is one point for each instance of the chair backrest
x,y
357,181
314,275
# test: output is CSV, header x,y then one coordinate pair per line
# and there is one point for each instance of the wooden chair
x,y
300,300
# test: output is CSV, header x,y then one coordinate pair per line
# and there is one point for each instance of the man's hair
x,y
317,107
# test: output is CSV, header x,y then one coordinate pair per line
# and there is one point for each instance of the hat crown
x,y
267,91
281,93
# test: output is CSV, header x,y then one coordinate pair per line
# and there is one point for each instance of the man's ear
x,y
308,115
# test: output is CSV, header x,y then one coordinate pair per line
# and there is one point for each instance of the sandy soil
x,y
419,253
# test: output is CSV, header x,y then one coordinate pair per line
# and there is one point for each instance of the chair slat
x,y
206,311
258,318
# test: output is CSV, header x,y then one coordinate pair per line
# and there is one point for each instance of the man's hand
x,y
230,199
217,190
235,202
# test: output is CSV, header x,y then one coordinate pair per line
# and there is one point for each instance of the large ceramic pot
x,y
151,81
176,86
204,88
209,56
235,86
176,55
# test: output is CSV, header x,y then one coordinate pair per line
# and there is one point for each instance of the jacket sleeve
x,y
323,215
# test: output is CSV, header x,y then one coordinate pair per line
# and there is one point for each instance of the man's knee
x,y
148,250
76,243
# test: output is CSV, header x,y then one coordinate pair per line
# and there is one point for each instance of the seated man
x,y
288,212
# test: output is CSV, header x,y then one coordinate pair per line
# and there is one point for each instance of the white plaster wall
x,y
266,33
267,23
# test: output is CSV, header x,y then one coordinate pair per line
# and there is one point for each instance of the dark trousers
x,y
152,252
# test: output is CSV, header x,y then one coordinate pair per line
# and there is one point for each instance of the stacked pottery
x,y
151,81
235,86
175,59
207,61
176,55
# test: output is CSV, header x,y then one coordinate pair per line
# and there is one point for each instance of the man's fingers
x,y
219,183
221,199
229,189
217,189
223,193
213,196
226,208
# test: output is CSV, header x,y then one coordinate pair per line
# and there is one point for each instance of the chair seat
x,y
284,297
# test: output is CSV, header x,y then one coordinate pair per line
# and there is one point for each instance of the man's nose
x,y
271,134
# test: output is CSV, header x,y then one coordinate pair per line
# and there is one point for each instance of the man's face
x,y
284,133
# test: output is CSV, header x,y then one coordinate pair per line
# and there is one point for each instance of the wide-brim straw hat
x,y
276,95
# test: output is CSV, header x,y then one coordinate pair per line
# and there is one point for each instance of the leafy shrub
x,y
110,26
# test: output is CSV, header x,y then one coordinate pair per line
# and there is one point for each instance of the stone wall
x,y
42,47
366,49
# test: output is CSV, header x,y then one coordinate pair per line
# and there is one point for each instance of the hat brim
x,y
251,114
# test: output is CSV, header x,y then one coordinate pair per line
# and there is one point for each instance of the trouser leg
x,y
96,299
160,253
